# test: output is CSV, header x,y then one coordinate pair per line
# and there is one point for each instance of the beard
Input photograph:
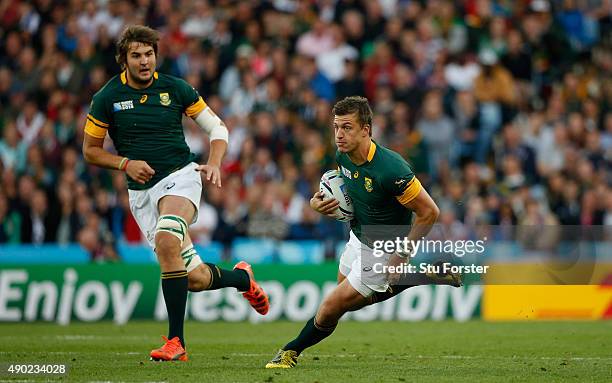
x,y
137,77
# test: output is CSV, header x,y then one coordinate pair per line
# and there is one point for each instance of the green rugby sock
x,y
174,287
220,278
311,334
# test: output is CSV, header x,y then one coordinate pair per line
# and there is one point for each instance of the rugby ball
x,y
332,186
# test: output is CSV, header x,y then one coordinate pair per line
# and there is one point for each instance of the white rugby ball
x,y
332,186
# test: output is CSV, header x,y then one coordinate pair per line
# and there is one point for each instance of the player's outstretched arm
x,y
212,169
324,206
94,153
427,213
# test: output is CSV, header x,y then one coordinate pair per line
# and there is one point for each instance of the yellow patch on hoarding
x,y
584,301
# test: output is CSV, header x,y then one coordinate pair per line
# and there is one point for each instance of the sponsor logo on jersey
x,y
367,184
143,99
164,99
356,175
168,187
123,105
346,172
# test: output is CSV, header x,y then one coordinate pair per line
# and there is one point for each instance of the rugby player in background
x,y
141,110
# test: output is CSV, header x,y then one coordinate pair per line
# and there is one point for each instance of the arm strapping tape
x,y
212,125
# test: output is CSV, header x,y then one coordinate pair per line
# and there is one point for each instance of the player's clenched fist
x,y
139,171
324,206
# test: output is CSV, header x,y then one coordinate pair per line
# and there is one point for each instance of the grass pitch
x,y
356,352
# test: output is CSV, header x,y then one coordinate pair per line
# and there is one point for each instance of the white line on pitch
x,y
432,356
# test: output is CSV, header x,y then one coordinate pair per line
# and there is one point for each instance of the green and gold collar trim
x,y
124,76
372,151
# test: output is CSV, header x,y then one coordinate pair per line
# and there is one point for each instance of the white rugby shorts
x,y
356,264
185,182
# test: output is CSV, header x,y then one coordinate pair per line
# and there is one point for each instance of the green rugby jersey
x,y
378,188
145,124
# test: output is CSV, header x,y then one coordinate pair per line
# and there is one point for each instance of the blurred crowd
x,y
501,107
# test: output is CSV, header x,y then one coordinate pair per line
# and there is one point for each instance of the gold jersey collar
x,y
124,76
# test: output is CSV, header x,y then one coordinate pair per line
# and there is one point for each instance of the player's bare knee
x,y
167,246
330,311
361,304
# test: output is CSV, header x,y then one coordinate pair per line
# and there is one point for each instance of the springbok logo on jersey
x,y
367,184
164,99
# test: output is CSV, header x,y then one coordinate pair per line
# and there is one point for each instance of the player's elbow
x,y
435,212
88,153
219,132
208,121
429,213
91,148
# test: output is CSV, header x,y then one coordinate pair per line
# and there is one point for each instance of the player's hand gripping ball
x,y
332,186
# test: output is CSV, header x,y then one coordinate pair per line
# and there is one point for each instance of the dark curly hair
x,y
134,33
